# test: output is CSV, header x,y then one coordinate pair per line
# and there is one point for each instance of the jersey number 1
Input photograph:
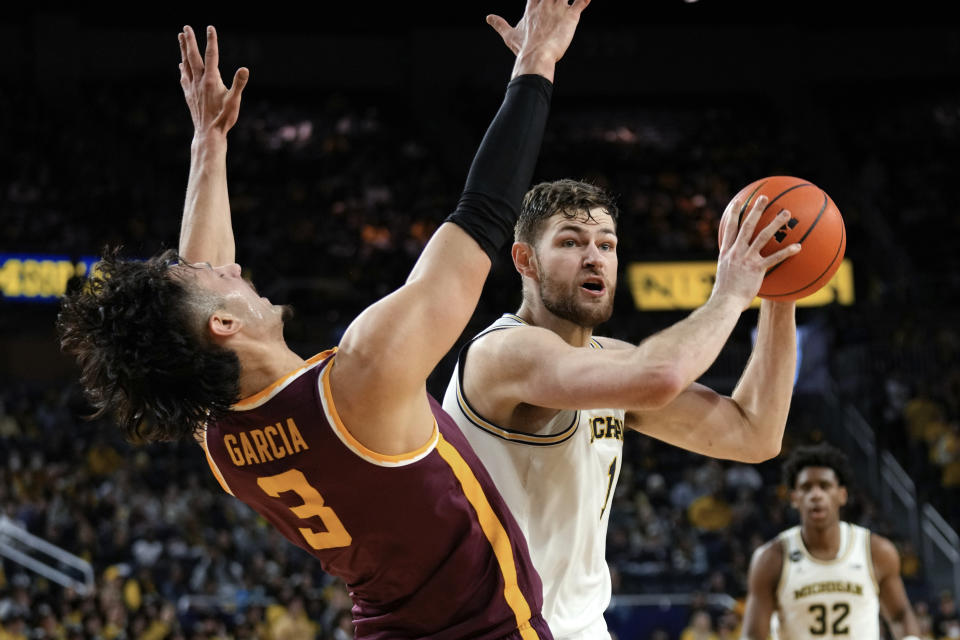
x,y
611,473
293,480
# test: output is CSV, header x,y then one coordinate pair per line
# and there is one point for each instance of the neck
x,y
263,364
537,315
823,543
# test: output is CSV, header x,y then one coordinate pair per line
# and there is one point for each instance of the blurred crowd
x,y
172,557
332,199
175,557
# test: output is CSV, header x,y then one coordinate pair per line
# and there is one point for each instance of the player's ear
x,y
223,324
842,495
524,259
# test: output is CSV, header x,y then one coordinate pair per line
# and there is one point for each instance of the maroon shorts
x,y
539,625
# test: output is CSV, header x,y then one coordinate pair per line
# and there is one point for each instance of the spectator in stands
x,y
946,619
700,627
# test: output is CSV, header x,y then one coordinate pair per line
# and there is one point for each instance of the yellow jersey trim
x,y
213,465
496,535
260,397
382,459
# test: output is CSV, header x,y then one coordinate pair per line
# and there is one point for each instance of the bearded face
x,y
577,301
576,262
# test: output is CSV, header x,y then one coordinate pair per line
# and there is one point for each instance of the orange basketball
x,y
815,223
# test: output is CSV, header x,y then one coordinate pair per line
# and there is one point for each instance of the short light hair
x,y
571,198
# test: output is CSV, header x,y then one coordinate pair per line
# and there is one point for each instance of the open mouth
x,y
594,286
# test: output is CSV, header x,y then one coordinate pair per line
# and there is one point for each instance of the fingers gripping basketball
x,y
814,222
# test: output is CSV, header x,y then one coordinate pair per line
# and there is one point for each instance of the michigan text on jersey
x,y
835,586
606,427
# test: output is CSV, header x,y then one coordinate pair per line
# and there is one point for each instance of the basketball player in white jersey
x,y
545,404
825,578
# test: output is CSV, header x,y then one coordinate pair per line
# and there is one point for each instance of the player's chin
x,y
596,314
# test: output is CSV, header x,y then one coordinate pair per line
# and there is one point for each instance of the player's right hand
x,y
213,107
741,268
542,34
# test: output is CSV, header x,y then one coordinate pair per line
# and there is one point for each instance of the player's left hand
x,y
546,25
213,107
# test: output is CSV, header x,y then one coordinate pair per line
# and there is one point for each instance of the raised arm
x,y
894,603
379,377
762,579
206,232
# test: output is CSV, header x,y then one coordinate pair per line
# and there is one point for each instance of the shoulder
x,y
515,343
500,358
767,562
770,552
886,558
613,343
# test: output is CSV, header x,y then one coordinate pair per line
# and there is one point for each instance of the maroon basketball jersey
x,y
423,541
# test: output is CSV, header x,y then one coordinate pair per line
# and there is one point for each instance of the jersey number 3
x,y
294,480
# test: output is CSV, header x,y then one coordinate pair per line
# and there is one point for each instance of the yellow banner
x,y
687,285
38,277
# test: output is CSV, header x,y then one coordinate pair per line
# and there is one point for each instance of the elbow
x,y
760,431
760,448
662,387
764,452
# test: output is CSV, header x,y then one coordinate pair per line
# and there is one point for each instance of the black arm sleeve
x,y
503,166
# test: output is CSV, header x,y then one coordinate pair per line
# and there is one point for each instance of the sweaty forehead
x,y
186,273
182,270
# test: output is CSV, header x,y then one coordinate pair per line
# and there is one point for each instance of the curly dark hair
x,y
136,332
572,198
818,455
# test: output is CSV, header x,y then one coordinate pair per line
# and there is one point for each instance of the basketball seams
x,y
746,204
819,215
843,232
760,186
826,201
786,191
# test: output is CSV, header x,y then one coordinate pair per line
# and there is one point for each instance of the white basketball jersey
x,y
559,484
829,599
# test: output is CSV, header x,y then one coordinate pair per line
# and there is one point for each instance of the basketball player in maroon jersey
x,y
345,453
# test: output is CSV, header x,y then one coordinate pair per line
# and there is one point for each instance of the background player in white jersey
x,y
825,578
545,404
